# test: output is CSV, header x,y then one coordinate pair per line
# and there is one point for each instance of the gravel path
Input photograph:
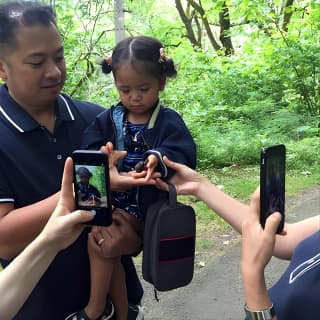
x,y
216,290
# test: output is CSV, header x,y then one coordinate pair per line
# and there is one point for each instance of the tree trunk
x,y
188,24
119,20
224,19
206,24
288,10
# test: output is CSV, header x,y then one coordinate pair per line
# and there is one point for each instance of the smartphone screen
x,y
272,183
92,185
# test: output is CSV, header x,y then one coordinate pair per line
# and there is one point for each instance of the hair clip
x,y
162,57
108,59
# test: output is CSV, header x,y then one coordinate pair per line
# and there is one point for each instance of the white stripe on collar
x,y
6,200
20,129
67,105
10,120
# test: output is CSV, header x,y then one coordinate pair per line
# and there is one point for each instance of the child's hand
x,y
151,165
140,166
146,168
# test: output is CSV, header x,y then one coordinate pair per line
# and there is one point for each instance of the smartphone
x,y
92,185
272,183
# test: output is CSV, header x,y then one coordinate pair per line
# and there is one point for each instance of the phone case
x,y
92,185
272,183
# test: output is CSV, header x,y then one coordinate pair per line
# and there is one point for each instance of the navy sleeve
x,y
99,132
172,139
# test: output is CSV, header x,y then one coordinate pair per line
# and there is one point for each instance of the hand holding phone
x,y
272,183
92,185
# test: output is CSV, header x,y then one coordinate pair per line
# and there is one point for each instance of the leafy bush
x,y
304,154
267,93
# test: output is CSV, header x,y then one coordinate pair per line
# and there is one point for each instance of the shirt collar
x,y
21,120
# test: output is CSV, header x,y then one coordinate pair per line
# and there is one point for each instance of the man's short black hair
x,y
83,171
14,14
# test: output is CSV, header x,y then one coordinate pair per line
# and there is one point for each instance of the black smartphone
x,y
92,185
272,183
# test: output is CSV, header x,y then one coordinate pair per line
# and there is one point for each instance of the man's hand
x,y
120,238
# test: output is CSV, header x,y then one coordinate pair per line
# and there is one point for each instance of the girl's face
x,y
138,92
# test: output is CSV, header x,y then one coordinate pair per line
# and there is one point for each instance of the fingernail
x,y
93,212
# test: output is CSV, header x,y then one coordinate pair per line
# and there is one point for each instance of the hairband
x,y
108,59
162,57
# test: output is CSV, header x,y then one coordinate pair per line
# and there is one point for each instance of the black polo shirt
x,y
31,166
31,157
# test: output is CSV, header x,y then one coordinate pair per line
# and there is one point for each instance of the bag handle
x,y
172,194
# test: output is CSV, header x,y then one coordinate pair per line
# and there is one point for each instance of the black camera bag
x,y
169,243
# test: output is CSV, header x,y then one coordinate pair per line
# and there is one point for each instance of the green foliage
x,y
98,179
267,93
304,154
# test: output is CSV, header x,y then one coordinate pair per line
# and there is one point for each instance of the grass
x,y
240,182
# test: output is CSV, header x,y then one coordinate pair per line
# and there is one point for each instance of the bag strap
x,y
172,194
172,202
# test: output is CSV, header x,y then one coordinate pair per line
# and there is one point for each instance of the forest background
x,y
248,76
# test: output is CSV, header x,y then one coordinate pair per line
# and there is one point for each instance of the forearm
x,y
257,297
256,294
234,212
296,232
21,276
25,224
229,209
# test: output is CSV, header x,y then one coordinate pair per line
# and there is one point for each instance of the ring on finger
x,y
101,241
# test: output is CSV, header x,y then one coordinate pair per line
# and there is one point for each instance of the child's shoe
x,y
79,315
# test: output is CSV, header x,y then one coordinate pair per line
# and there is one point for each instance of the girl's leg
x,y
101,273
118,291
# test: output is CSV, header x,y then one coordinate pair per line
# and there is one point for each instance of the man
x,y
39,128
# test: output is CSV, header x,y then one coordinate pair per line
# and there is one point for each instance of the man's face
x,y
84,179
35,70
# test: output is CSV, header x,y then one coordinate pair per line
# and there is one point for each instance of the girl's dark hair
x,y
144,54
14,14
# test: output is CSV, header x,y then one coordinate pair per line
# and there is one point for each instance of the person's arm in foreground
x,y
26,223
62,229
257,249
188,181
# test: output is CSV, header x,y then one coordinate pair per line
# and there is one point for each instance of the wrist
x,y
46,242
201,191
256,292
261,314
252,274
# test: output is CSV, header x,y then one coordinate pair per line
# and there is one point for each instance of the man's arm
x,y
18,227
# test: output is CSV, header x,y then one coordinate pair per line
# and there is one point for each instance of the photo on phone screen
x,y
92,185
272,183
